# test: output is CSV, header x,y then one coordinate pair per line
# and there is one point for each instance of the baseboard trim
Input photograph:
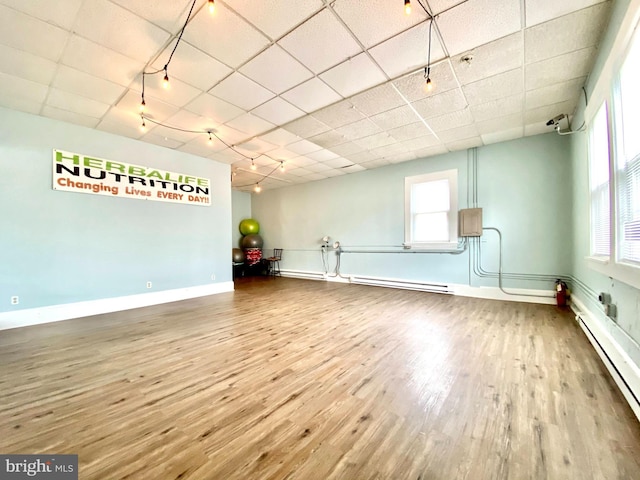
x,y
490,293
625,373
57,313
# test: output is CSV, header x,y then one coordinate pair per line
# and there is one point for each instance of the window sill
x,y
440,247
629,274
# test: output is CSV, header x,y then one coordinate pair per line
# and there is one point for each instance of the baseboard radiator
x,y
403,284
622,369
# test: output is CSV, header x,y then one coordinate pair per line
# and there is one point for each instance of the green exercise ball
x,y
249,226
252,241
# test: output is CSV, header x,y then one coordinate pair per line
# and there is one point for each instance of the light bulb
x,y
143,126
142,105
407,7
212,6
253,165
165,81
210,139
282,166
428,86
257,188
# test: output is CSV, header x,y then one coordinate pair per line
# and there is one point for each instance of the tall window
x,y
627,102
431,210
599,181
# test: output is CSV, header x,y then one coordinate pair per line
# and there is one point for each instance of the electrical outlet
x,y
148,284
15,300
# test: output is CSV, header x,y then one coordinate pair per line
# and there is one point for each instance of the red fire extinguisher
x,y
561,293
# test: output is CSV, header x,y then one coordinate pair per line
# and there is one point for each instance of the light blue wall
x,y
240,209
523,187
626,329
61,247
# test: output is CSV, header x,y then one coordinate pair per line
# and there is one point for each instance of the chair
x,y
273,263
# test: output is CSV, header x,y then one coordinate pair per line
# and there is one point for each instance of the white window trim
x,y
452,177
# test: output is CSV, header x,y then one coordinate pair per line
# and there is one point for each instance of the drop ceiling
x,y
327,87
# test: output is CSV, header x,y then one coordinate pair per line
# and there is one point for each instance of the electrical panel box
x,y
471,222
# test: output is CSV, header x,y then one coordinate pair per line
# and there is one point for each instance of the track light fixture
x,y
407,7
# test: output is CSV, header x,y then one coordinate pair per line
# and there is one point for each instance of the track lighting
x,y
257,188
407,7
253,165
212,6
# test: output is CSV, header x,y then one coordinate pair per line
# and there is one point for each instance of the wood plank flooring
x,y
295,379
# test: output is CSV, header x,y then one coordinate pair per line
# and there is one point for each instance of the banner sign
x,y
73,172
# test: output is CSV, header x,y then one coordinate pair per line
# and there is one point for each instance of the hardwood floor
x,y
295,379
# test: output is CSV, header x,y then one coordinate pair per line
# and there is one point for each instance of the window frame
x,y
452,177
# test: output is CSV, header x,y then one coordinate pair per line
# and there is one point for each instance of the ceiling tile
x,y
397,117
311,95
542,114
359,129
338,114
303,147
491,19
378,20
276,17
439,104
321,155
464,144
387,151
225,36
375,141
75,81
501,124
491,59
76,103
278,111
200,146
408,51
337,163
556,93
493,88
190,121
70,117
328,139
502,136
575,31
320,167
193,66
331,42
118,29
402,157
412,86
558,69
407,132
315,176
230,135
498,108
63,15
169,15
380,162
336,172
300,162
300,172
250,124
276,70
377,100
160,140
256,145
459,133
178,93
157,110
306,127
539,11
241,91
282,154
100,61
431,151
346,149
361,157
212,107
17,31
354,75
176,136
122,122
25,65
451,120
280,137
420,142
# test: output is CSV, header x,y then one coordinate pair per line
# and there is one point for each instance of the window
x,y
627,184
599,184
431,210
